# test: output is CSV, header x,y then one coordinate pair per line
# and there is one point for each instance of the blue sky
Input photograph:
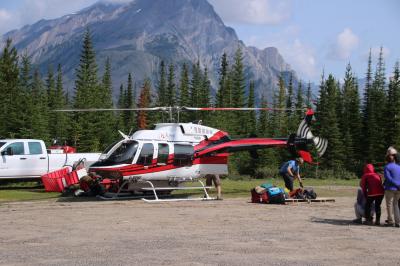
x,y
310,34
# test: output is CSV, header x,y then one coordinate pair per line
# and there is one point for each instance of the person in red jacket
x,y
371,184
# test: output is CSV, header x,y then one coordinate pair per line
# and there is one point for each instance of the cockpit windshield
x,y
124,153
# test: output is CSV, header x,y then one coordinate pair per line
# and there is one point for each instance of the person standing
x,y
217,183
392,187
371,185
290,171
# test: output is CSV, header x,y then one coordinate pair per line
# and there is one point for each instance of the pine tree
x,y
195,89
222,93
290,114
393,109
171,87
265,123
251,116
51,91
309,102
162,86
121,105
376,119
39,118
350,119
144,102
205,98
87,96
224,96
238,92
25,100
184,96
130,116
299,108
107,120
368,118
280,116
333,158
9,89
62,120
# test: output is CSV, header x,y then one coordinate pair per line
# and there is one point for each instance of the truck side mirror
x,y
8,151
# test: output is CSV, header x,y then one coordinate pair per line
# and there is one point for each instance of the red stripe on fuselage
x,y
135,169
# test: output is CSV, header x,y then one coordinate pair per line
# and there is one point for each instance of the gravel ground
x,y
228,232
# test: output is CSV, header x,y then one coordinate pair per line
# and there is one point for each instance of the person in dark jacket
x,y
371,185
359,207
392,187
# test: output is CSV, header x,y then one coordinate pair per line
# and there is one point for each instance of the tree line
x,y
359,128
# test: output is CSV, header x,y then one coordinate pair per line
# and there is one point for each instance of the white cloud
x,y
6,19
253,11
346,43
302,59
4,15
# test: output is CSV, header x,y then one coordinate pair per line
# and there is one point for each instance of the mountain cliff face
x,y
139,34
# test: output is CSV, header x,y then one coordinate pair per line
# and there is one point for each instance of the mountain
x,y
139,34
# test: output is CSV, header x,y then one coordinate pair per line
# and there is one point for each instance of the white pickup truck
x,y
29,159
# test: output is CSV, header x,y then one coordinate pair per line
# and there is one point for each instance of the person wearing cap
x,y
290,171
392,187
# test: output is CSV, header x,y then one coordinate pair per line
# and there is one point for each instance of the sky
x,y
311,35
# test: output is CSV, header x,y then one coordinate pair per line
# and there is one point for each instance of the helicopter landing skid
x,y
157,199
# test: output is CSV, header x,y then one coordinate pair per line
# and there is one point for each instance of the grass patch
x,y
26,195
231,189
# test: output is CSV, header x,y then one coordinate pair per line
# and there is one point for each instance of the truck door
x,y
14,161
37,158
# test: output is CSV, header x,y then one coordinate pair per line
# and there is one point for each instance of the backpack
x,y
276,195
259,198
309,193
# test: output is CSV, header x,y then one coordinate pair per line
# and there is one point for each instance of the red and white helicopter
x,y
164,158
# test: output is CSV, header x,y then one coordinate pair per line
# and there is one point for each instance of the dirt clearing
x,y
228,232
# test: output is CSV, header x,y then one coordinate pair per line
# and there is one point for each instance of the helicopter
x,y
163,159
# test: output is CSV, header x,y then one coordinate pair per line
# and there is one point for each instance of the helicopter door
x,y
146,155
163,153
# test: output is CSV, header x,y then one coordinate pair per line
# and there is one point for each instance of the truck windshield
x,y
124,153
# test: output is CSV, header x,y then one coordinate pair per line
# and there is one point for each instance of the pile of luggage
x,y
268,193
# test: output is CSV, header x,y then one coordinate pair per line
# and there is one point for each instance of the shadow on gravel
x,y
332,221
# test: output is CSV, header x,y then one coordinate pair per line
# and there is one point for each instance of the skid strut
x,y
123,195
157,199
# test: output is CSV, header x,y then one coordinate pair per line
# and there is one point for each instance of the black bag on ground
x,y
309,193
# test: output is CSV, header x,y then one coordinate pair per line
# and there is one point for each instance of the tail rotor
x,y
304,132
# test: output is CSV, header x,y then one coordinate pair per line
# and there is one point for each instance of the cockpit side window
x,y
124,153
146,154
163,152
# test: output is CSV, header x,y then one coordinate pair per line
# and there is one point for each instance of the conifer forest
x,y
359,126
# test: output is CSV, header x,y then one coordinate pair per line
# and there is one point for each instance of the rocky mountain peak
x,y
137,35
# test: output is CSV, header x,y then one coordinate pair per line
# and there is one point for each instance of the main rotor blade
x,y
238,109
114,109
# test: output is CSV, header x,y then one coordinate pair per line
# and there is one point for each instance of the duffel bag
x,y
259,198
276,195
